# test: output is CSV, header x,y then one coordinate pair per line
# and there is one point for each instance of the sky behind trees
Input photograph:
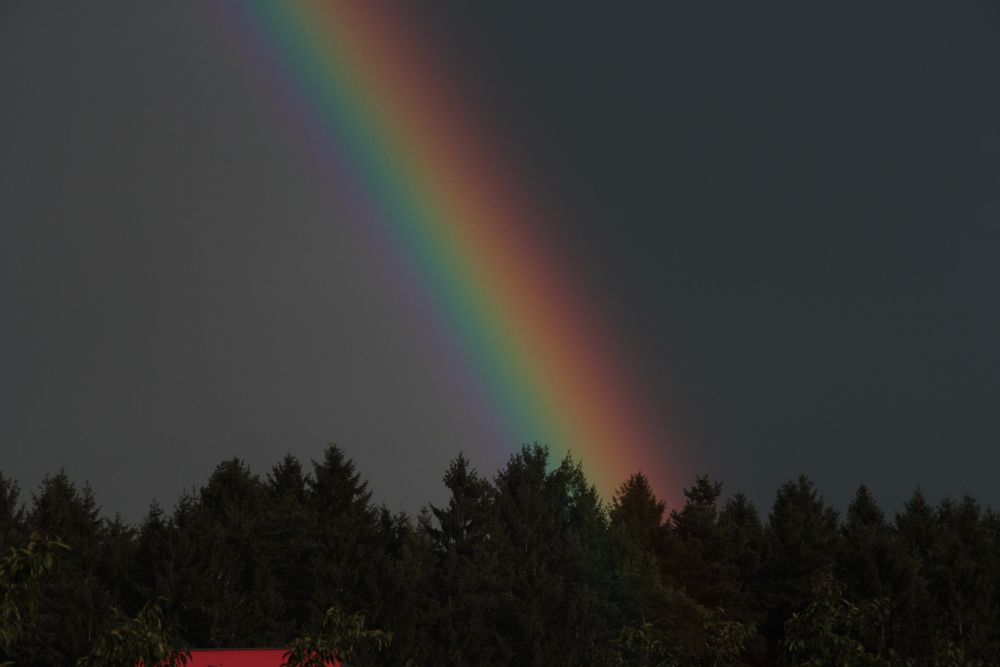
x,y
789,213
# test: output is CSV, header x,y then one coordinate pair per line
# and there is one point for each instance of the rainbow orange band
x,y
405,154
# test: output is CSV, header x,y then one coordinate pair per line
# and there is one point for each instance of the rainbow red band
x,y
405,156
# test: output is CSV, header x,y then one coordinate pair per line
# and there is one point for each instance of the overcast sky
x,y
791,213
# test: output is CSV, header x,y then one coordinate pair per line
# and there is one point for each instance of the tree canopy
x,y
530,566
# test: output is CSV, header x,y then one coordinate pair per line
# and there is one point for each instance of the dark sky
x,y
791,213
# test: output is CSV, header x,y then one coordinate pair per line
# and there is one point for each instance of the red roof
x,y
224,657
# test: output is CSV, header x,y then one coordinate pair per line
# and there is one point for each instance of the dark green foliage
x,y
341,637
742,545
800,540
699,556
21,572
75,600
637,512
289,539
225,594
530,568
465,539
830,630
553,564
12,528
961,582
343,559
144,640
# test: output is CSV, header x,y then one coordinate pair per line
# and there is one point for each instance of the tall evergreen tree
x,y
466,536
640,515
915,625
959,577
155,565
875,565
74,603
742,537
404,572
866,548
699,545
800,540
289,541
228,592
554,559
12,529
657,617
345,530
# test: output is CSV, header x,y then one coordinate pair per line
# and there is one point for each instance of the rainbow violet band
x,y
409,165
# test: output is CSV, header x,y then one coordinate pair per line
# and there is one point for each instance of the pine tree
x,y
640,515
960,579
800,540
227,592
556,610
656,615
465,536
867,548
154,561
874,565
915,623
344,527
12,528
699,545
406,600
742,538
289,541
74,604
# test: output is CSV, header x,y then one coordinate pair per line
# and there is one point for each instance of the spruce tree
x,y
800,540
465,536
74,604
344,527
289,544
960,579
742,537
916,627
640,515
555,611
228,592
12,529
699,544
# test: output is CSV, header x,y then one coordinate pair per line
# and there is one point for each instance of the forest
x,y
529,567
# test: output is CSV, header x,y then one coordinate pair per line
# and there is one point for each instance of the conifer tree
x,y
229,595
465,536
875,564
915,623
290,544
405,597
345,531
656,614
555,612
74,603
699,545
800,539
742,538
960,579
155,562
637,512
867,548
12,529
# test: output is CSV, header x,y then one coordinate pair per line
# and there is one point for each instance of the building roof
x,y
244,657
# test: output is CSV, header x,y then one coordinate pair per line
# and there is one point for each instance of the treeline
x,y
529,567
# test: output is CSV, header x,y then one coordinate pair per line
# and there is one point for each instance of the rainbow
x,y
408,163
